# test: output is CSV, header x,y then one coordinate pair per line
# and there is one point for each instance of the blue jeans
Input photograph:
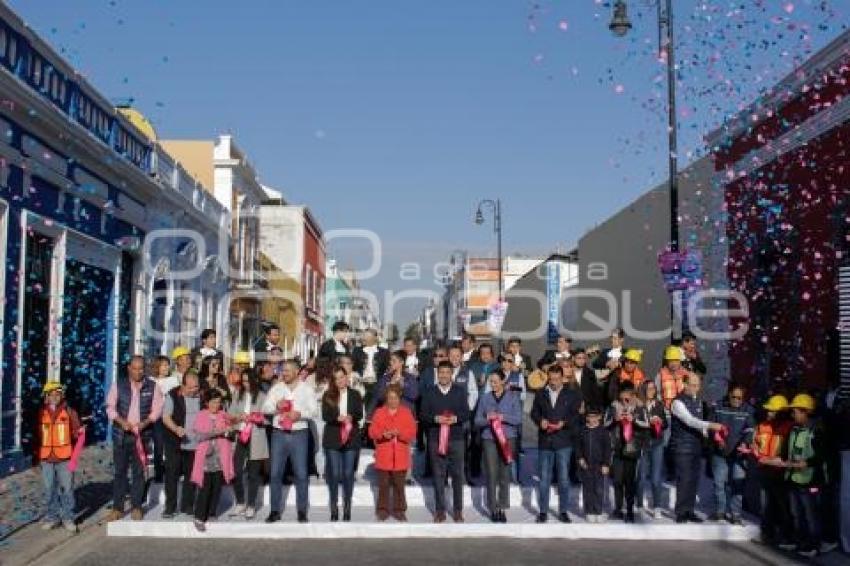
x,y
58,491
805,512
560,459
651,472
289,446
339,466
729,477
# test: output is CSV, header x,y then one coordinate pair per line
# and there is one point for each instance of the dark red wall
x,y
788,228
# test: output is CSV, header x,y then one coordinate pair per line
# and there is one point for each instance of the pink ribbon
x,y
656,428
504,445
140,450
628,430
245,433
345,432
721,435
78,449
445,429
285,423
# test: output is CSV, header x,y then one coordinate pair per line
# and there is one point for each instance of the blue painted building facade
x,y
80,190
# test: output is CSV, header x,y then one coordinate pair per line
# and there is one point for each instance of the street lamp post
x,y
496,205
620,26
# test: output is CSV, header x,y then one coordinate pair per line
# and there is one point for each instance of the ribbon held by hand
x,y
445,430
140,450
504,445
253,419
657,427
285,422
721,435
345,432
78,449
628,430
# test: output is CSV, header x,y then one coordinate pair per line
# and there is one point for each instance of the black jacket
x,y
594,447
381,361
328,350
333,429
566,409
590,391
434,404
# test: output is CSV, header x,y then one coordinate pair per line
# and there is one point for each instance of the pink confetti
x,y
563,25
789,7
619,89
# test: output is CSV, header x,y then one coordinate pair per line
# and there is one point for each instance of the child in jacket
x,y
593,454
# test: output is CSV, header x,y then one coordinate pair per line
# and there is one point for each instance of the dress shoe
x,y
502,517
346,512
400,517
382,516
114,515
630,516
618,515
167,515
458,517
693,518
681,519
137,514
440,517
302,517
334,516
564,518
542,518
273,517
494,517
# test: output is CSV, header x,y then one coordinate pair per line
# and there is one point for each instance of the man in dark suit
x,y
563,349
586,379
270,339
522,361
338,344
371,362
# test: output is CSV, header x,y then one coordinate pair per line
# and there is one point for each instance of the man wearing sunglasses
x,y
728,460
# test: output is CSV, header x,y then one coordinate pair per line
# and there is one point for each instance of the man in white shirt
x,y
181,357
371,362
689,426
293,404
413,363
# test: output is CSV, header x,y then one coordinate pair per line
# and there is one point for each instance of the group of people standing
x,y
597,416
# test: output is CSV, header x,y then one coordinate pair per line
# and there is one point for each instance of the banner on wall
x,y
496,317
553,296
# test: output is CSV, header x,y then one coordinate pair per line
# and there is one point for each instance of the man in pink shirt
x,y
133,405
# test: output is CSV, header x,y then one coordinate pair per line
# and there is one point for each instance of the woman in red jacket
x,y
393,429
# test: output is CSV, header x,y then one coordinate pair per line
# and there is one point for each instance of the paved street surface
x,y
93,548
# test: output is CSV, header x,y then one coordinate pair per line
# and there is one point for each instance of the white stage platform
x,y
420,500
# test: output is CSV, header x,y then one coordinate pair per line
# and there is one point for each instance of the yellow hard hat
x,y
242,357
634,355
776,403
52,386
803,401
179,352
673,354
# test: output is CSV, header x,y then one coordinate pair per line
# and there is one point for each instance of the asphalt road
x,y
97,549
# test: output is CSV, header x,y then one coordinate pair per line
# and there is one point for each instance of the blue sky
x,y
398,116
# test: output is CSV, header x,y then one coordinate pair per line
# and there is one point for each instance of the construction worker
x,y
768,442
59,426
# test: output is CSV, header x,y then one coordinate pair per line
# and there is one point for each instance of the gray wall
x,y
628,243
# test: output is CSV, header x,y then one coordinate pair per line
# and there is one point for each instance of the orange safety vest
x,y
637,377
768,440
672,385
55,434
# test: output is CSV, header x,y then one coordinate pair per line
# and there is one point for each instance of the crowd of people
x,y
262,418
